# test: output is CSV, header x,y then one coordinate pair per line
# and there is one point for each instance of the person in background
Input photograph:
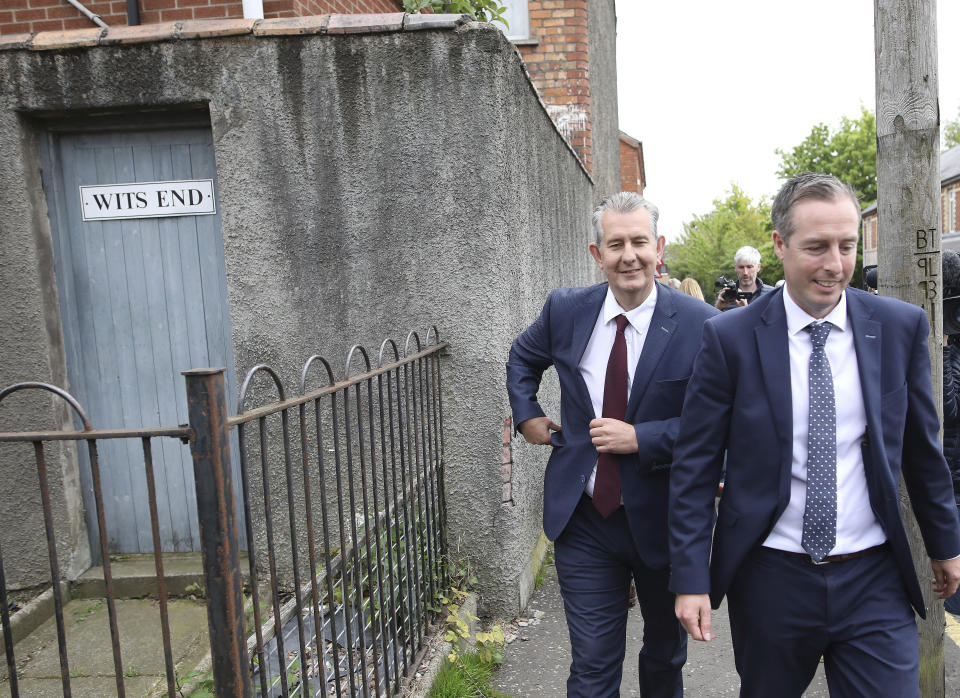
x,y
691,288
750,287
951,382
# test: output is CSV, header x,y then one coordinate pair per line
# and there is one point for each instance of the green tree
x,y
849,153
951,133
706,247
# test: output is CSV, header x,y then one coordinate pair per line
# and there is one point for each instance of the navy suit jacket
x,y
739,398
558,338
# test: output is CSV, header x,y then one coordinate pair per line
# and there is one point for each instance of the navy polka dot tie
x,y
820,514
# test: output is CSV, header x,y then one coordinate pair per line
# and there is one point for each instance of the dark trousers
x,y
786,612
595,559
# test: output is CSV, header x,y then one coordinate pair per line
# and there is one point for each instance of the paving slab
x,y
90,653
537,662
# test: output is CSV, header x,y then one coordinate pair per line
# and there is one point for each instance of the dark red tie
x,y
606,486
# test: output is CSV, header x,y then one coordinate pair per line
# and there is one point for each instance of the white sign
x,y
147,200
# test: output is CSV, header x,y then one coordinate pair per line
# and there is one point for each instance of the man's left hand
x,y
613,436
946,577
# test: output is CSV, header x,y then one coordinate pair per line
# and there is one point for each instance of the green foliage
x,y
81,614
849,153
196,589
951,133
706,247
194,684
483,10
467,677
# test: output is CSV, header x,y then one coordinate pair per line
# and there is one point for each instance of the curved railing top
x,y
333,385
88,432
306,369
63,394
259,368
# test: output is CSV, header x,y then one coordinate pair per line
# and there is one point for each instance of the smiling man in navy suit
x,y
623,352
821,396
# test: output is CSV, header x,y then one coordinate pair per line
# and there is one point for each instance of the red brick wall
x,y
560,69
631,166
55,15
870,232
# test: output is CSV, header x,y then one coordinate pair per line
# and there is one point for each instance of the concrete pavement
x,y
537,661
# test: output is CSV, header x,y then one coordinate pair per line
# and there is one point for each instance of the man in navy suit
x,y
623,352
821,396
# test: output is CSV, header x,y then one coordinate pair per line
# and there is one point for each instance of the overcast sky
x,y
712,89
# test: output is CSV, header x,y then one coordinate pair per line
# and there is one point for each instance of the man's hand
x,y
693,612
613,436
946,577
537,430
742,302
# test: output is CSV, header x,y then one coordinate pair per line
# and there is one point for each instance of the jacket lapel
x,y
584,318
661,329
774,356
867,341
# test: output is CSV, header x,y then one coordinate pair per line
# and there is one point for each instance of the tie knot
x,y
622,322
818,333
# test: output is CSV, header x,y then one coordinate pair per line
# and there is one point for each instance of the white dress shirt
x,y
593,363
857,526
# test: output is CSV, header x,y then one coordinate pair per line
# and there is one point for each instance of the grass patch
x,y
468,677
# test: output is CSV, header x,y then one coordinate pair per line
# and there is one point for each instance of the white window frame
x,y
952,210
517,15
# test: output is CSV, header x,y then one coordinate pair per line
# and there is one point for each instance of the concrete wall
x,y
602,33
368,184
31,348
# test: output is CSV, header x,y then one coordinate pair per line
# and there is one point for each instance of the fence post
x,y
220,542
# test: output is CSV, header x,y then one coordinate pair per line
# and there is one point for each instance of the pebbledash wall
x,y
375,173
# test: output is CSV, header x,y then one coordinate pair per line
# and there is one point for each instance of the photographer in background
x,y
748,287
951,382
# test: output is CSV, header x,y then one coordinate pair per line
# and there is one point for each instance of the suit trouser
x,y
786,612
595,559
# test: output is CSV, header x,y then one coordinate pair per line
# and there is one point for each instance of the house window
x,y
518,20
952,211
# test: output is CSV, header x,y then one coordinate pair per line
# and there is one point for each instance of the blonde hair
x,y
691,288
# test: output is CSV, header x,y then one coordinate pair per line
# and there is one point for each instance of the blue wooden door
x,y
141,300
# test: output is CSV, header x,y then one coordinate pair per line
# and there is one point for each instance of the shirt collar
x,y
611,308
797,318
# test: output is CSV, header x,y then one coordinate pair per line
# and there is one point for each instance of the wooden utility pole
x,y
908,218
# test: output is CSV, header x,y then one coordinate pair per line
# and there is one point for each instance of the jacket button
x,y
583,479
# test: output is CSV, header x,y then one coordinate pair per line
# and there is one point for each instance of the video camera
x,y
730,292
951,304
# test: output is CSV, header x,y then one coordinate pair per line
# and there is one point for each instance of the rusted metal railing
x,y
358,580
344,522
91,436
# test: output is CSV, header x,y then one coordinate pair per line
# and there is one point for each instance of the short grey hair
x,y
623,202
750,255
807,185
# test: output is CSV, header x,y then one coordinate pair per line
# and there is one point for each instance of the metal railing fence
x,y
344,518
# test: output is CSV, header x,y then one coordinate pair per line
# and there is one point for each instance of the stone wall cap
x,y
12,41
291,26
139,34
365,24
418,21
212,28
71,38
